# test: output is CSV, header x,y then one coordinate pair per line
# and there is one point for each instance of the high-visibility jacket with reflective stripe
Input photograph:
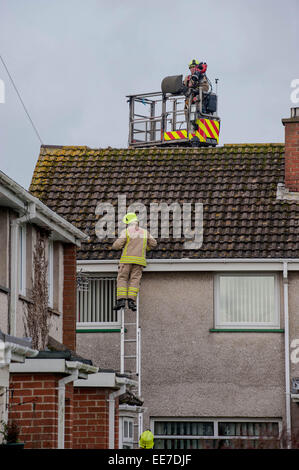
x,y
135,242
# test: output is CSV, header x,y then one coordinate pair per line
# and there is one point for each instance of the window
x,y
95,301
127,433
246,301
50,273
215,433
22,259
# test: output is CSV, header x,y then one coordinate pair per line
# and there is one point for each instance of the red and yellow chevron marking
x,y
175,135
207,128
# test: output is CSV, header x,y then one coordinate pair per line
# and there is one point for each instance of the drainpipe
x,y
111,401
287,354
14,267
61,405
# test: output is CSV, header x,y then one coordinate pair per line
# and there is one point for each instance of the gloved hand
x,y
184,89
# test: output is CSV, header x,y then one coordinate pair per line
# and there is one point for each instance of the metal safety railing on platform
x,y
152,114
159,118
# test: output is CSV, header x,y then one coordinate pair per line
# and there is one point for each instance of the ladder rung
x,y
129,357
125,324
130,340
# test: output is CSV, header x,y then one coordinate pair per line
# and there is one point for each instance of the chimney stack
x,y
291,157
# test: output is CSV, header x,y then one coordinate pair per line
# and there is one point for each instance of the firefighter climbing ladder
x,y
129,355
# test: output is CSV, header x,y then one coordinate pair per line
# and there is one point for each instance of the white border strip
x,y
186,264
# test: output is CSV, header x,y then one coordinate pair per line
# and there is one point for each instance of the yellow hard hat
x,y
193,63
146,440
130,217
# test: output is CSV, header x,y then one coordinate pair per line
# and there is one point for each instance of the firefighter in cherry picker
x,y
194,81
135,241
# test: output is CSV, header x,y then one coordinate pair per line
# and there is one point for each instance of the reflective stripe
x,y
144,246
133,260
141,260
127,242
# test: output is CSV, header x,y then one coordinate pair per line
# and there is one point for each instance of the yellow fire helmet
x,y
130,217
146,440
193,63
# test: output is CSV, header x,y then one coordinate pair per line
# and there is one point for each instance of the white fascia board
x,y
12,200
53,365
95,266
99,379
58,232
40,365
21,198
186,264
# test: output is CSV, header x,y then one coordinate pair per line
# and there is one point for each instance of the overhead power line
x,y
20,98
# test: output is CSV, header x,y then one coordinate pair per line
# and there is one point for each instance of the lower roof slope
x,y
235,183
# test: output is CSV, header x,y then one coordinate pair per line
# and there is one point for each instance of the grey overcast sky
x,y
74,62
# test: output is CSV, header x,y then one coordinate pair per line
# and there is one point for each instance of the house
x,y
45,385
218,304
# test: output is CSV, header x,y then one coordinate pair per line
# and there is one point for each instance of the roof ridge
x,y
154,149
270,144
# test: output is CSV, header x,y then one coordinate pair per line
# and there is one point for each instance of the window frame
x,y
246,325
22,265
96,325
50,273
216,422
126,441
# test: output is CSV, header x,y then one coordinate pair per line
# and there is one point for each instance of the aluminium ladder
x,y
132,355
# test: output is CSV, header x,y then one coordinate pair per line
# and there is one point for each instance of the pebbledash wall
x,y
34,406
199,373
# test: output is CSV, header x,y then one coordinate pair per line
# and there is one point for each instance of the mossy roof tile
x,y
236,183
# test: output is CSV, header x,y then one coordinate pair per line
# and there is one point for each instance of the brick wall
x,y
292,153
91,418
34,406
37,419
69,297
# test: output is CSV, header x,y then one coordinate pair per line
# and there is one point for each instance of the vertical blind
x,y
248,299
95,304
248,429
195,435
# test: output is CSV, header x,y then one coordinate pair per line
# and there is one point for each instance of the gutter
x,y
287,355
111,401
16,352
44,210
193,265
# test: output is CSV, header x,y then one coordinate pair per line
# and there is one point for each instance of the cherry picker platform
x,y
164,119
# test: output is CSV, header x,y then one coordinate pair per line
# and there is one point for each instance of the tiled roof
x,y
236,183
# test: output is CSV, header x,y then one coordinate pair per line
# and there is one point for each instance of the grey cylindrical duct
x,y
172,84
